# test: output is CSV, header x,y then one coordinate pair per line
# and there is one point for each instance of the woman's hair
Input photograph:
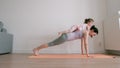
x,y
94,29
88,20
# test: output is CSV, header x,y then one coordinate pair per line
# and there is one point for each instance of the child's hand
x,y
59,33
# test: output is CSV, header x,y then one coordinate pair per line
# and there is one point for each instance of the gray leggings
x,y
59,40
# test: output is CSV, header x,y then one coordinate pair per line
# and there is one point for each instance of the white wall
x,y
34,22
112,31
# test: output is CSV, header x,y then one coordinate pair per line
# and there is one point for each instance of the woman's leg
x,y
57,41
36,50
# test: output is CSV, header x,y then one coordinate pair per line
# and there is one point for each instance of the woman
x,y
76,32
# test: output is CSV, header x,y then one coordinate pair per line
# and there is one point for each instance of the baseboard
x,y
22,51
5,53
113,52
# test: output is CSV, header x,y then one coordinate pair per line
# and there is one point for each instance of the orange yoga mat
x,y
72,56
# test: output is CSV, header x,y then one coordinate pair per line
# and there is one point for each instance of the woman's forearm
x,y
82,46
86,49
86,42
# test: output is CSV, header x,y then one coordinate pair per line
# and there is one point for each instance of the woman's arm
x,y
86,42
82,45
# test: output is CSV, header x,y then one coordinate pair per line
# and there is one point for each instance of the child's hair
x,y
88,20
94,29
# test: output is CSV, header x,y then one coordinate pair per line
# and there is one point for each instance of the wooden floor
x,y
22,61
71,56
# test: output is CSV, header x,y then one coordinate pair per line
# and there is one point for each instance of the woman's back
x,y
77,33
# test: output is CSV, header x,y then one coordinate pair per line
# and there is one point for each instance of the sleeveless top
x,y
77,34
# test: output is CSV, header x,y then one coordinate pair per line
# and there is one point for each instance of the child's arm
x,y
73,28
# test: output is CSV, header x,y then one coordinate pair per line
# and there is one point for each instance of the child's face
x,y
90,23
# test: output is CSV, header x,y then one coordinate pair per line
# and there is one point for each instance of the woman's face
x,y
92,33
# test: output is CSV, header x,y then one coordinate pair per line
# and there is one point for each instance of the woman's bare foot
x,y
36,52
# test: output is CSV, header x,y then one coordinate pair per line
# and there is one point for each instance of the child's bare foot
x,y
36,52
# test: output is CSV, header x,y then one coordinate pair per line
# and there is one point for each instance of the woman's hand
x,y
87,55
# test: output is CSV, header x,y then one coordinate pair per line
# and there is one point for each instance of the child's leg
x,y
36,50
